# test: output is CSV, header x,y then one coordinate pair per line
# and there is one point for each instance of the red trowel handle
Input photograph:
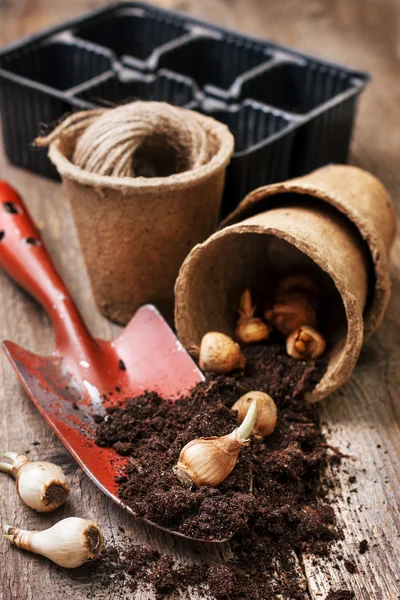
x,y
24,257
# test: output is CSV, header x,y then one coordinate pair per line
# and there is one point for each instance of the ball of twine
x,y
139,139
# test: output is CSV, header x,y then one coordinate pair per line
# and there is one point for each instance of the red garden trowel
x,y
84,375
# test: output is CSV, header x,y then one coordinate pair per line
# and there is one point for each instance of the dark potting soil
x,y
340,595
351,566
272,502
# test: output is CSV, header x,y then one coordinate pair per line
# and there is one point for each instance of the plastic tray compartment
x,y
321,98
215,62
134,32
263,134
33,91
59,64
128,85
324,138
295,87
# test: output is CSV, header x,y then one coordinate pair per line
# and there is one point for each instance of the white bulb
x,y
69,543
41,485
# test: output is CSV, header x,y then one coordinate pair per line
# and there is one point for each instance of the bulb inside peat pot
x,y
361,198
260,252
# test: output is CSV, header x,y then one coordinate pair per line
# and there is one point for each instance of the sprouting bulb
x,y
210,460
267,413
250,329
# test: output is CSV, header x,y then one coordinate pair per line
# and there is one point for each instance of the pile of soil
x,y
270,475
272,502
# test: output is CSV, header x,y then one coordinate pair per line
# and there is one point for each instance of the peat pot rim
x,y
61,148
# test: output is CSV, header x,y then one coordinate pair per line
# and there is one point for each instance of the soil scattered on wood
x,y
340,595
351,566
272,502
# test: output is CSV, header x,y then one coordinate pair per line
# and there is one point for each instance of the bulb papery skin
x,y
251,330
220,354
292,310
306,343
40,485
69,543
267,413
247,309
208,461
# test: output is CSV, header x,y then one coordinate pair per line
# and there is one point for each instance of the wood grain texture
x,y
362,419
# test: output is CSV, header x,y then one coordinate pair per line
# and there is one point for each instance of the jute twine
x,y
108,140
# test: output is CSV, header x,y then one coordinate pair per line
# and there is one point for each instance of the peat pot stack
x,y
145,182
337,224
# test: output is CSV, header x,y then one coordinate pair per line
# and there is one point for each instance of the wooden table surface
x,y
363,418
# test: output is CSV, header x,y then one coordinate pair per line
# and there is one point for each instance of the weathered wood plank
x,y
366,413
362,423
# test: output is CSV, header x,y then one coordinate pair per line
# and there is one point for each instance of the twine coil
x,y
139,139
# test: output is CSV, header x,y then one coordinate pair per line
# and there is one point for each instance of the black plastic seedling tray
x,y
289,113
